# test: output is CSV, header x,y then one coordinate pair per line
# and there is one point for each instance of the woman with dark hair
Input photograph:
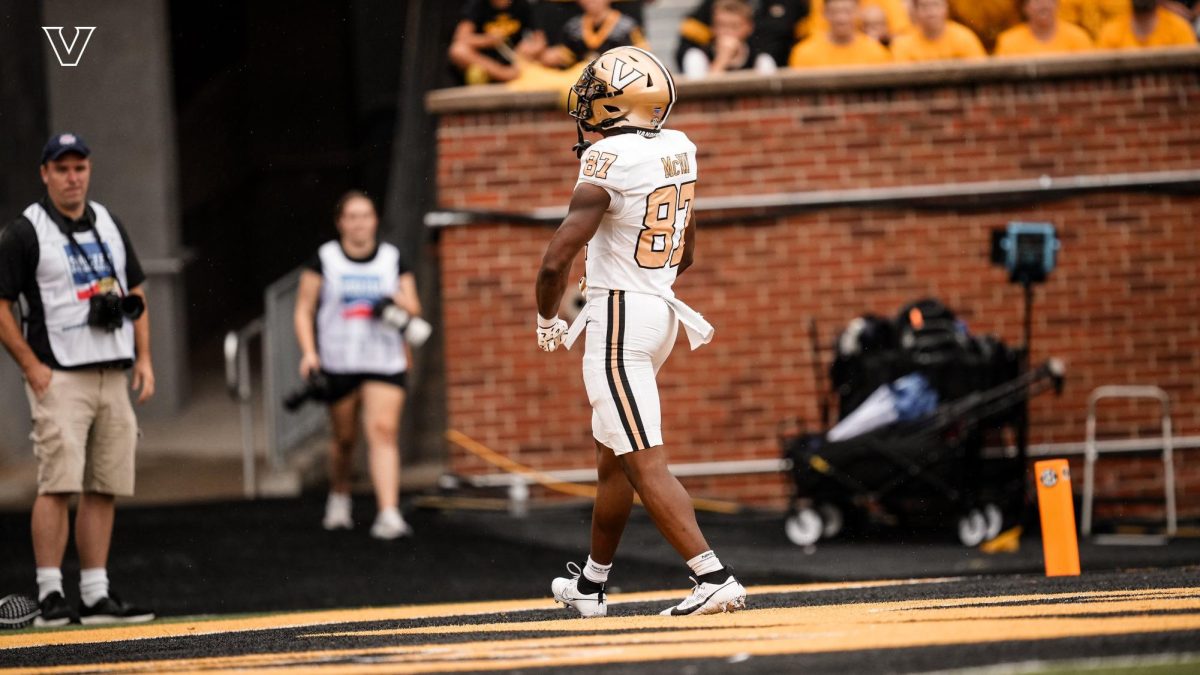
x,y
353,295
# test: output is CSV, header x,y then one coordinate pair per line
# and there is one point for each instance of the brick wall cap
x,y
497,97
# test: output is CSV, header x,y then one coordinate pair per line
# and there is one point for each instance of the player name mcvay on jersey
x,y
676,165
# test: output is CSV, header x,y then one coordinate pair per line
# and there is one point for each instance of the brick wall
x,y
1123,307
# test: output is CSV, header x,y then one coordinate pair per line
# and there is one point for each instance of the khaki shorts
x,y
84,433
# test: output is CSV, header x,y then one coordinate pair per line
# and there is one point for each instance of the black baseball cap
x,y
61,144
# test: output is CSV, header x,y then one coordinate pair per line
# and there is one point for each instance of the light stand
x,y
1029,252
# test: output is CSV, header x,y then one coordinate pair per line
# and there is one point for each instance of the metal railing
x,y
771,465
739,207
284,430
238,381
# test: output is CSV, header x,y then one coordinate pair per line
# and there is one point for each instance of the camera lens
x,y
132,306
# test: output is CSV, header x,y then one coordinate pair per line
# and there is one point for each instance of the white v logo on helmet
x,y
623,74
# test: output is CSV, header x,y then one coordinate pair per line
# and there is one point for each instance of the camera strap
x,y
103,251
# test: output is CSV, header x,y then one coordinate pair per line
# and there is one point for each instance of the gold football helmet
x,y
625,87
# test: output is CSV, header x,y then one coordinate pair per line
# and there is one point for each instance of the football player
x,y
632,207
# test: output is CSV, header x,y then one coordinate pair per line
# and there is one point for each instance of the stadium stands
x,y
798,35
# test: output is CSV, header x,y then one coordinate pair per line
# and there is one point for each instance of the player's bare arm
x,y
587,208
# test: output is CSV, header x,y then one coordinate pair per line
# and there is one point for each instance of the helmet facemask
x,y
584,93
580,99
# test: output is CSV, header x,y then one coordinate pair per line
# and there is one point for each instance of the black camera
x,y
109,310
315,389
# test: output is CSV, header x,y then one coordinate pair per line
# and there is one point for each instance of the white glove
x,y
550,333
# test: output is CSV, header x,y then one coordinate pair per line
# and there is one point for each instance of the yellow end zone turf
x,y
213,625
790,629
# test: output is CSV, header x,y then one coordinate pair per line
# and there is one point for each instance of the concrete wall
x,y
119,99
22,132
1123,308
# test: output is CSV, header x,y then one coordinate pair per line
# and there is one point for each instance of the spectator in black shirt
x,y
776,23
553,15
599,29
491,37
730,48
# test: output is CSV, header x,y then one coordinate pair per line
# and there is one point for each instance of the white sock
x,y
93,585
595,572
704,563
49,580
338,499
392,514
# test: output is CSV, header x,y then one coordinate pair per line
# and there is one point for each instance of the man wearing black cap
x,y
68,266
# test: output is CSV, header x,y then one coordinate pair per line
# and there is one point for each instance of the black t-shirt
x,y
19,257
752,54
774,28
552,15
514,22
584,40
314,263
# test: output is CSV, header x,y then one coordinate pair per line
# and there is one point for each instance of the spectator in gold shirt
x,y
986,18
896,11
1147,26
934,37
1042,33
874,22
841,43
1091,15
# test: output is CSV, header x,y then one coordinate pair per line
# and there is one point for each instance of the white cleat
x,y
337,513
390,524
567,592
727,596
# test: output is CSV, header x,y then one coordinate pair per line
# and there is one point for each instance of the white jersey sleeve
x,y
605,168
651,182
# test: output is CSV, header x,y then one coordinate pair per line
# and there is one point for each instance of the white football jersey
x,y
651,182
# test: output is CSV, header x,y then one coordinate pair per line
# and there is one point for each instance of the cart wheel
x,y
803,527
832,519
995,521
972,528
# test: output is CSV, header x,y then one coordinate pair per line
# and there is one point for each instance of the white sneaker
x,y
567,592
390,524
337,512
727,596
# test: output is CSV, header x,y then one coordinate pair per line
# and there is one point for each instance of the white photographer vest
x,y
349,338
65,283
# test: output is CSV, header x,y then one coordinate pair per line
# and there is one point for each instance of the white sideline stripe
x,y
1124,445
